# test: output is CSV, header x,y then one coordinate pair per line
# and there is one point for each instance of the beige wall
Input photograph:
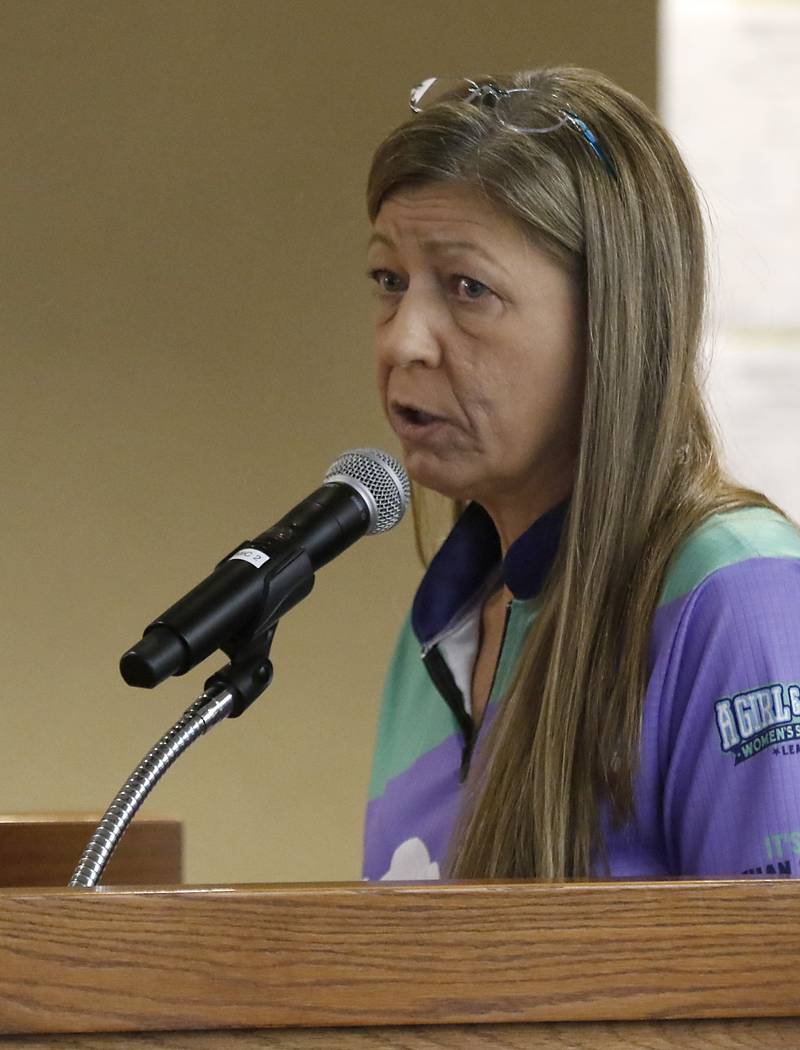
x,y
185,348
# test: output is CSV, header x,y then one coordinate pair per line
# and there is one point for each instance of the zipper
x,y
442,678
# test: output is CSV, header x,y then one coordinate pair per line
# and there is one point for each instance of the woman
x,y
601,671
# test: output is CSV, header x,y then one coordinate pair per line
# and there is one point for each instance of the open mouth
x,y
415,416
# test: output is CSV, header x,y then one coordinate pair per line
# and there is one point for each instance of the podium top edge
x,y
79,817
744,889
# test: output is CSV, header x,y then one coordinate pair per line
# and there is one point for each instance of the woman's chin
x,y
437,474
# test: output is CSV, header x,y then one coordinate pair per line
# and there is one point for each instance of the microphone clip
x,y
250,671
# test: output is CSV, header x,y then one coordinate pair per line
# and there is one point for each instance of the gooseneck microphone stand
x,y
228,693
364,491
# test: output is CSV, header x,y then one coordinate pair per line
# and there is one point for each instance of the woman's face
x,y
480,347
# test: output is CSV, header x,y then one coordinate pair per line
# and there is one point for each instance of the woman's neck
x,y
515,516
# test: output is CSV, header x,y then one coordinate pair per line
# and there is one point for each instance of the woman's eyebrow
x,y
436,246
380,238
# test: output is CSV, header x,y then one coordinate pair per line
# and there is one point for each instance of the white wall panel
x,y
730,93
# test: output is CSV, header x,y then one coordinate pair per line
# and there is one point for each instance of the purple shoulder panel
x,y
721,719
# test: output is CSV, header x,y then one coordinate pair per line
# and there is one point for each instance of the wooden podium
x,y
42,849
435,965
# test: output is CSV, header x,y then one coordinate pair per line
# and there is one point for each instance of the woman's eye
x,y
386,280
468,289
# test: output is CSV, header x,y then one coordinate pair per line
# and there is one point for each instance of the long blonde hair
x,y
648,470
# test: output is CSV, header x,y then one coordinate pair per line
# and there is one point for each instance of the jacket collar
x,y
468,556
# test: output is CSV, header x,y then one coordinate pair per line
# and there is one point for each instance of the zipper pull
x,y
466,755
466,758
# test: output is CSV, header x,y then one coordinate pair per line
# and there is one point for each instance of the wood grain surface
x,y
393,954
777,1034
43,849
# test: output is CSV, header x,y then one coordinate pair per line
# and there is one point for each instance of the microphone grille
x,y
380,479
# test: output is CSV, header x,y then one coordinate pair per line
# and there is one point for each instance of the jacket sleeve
x,y
730,736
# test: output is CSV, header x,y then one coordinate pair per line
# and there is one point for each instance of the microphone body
x,y
261,579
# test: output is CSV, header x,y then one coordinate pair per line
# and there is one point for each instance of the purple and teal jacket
x,y
717,791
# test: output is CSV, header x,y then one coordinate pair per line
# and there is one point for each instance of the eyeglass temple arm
x,y
591,138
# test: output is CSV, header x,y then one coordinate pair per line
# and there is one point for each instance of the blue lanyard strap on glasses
x,y
591,138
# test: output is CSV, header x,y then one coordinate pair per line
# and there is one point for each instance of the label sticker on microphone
x,y
257,558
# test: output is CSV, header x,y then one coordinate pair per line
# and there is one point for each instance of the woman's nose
x,y
412,335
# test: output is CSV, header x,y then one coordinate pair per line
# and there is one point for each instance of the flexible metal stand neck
x,y
205,712
228,693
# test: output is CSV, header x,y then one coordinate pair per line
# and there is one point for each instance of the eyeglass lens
x,y
516,108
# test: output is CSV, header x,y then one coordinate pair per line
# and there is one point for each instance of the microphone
x,y
365,491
